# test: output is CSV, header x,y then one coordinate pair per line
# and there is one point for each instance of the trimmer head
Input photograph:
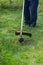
x,y
21,40
23,33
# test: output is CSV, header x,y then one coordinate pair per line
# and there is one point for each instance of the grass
x,y
30,52
14,4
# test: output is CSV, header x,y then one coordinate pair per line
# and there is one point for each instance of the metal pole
x,y
22,19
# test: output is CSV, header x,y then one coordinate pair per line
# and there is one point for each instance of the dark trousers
x,y
30,11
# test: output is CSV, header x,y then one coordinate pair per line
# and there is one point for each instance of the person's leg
x,y
33,8
26,12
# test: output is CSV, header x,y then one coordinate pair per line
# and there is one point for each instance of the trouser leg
x,y
26,12
33,8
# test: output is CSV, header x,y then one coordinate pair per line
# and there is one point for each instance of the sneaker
x,y
33,25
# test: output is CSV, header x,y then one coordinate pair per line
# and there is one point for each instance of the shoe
x,y
32,25
25,24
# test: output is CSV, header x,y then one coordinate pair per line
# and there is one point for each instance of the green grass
x,y
6,4
30,52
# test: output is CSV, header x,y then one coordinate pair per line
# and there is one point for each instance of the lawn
x,y
12,52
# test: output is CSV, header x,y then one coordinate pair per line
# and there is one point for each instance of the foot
x,y
25,24
33,25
